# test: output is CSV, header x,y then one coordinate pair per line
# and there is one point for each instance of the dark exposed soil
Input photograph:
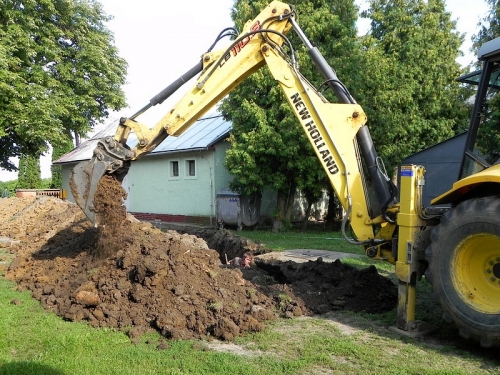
x,y
147,279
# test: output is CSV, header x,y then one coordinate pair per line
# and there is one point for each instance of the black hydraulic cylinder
x,y
379,180
174,86
324,68
170,89
330,76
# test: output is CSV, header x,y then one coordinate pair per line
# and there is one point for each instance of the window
x,y
174,168
190,168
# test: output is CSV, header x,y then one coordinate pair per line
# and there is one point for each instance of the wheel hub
x,y
477,272
496,269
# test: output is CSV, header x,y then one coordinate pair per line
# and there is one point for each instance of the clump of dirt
x,y
111,213
166,281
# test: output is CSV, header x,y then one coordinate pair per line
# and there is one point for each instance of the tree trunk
x,y
281,212
306,218
77,139
290,201
332,210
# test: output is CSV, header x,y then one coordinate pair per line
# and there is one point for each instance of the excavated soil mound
x,y
166,281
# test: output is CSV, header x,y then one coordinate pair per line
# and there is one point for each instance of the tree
x,y
489,27
268,147
29,172
409,90
59,73
335,211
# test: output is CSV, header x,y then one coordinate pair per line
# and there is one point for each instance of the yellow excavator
x,y
456,246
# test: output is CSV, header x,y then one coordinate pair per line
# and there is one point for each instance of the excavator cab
x,y
482,148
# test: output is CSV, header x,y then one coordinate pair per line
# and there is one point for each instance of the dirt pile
x,y
167,281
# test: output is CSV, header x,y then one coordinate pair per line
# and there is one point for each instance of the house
x,y
178,181
184,178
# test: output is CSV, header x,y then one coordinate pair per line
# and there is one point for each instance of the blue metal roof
x,y
203,134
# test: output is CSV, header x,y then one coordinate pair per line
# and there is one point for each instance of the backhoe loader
x,y
456,244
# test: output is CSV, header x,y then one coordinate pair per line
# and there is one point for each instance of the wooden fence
x,y
58,193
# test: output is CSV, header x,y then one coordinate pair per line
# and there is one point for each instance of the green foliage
x,y
268,147
29,173
59,73
10,186
403,74
409,69
46,183
489,27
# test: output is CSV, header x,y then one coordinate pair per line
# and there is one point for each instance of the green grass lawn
x,y
315,239
35,341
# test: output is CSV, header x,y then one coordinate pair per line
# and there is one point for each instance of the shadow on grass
x,y
24,367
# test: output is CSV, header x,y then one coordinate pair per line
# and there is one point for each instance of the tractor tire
x,y
464,268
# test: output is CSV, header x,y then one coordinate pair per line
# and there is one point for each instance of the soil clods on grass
x,y
138,278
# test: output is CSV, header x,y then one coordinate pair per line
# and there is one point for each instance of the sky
x,y
161,40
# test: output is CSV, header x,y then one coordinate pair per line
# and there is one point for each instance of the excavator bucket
x,y
83,183
109,157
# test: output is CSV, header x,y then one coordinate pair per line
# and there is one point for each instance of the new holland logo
x,y
314,134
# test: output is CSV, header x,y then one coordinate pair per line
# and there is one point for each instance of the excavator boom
x,y
221,71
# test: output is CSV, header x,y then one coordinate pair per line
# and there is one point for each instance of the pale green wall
x,y
152,189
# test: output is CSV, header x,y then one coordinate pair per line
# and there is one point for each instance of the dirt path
x,y
170,282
